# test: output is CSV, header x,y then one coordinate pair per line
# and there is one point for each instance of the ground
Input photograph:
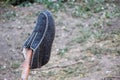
x,y
85,48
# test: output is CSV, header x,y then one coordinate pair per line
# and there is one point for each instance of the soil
x,y
69,60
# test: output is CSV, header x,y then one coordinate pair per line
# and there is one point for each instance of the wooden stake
x,y
26,65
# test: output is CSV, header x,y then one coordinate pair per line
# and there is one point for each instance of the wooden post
x,y
26,65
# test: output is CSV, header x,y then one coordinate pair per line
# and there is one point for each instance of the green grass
x,y
84,35
62,52
99,35
78,70
15,65
87,7
51,73
95,50
25,4
9,15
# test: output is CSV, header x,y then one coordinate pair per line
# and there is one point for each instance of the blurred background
x,y
86,45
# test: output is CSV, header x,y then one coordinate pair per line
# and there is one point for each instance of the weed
x,y
62,78
109,23
79,11
15,65
3,67
80,39
25,4
50,73
98,69
92,3
88,6
62,52
118,51
99,35
95,50
79,25
117,11
78,70
83,36
9,15
52,5
69,70
98,8
96,24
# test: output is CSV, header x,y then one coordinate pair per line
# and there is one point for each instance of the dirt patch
x,y
113,26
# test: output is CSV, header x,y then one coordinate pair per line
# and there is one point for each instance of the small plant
x,y
9,14
80,11
62,52
52,5
55,6
78,70
88,6
118,51
99,35
83,35
95,50
50,73
98,8
69,70
25,4
117,11
15,65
